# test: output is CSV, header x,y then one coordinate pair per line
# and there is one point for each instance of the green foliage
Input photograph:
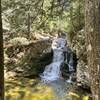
x,y
43,15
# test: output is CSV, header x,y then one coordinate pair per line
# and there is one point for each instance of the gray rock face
x,y
82,74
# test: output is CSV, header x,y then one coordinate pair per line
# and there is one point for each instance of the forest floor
x,y
20,88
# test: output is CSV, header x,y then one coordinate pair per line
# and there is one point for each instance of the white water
x,y
52,71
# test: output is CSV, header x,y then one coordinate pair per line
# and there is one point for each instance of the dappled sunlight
x,y
22,90
75,96
26,89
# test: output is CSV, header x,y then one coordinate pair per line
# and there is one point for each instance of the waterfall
x,y
52,71
52,75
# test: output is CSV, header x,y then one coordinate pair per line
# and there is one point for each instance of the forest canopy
x,y
43,15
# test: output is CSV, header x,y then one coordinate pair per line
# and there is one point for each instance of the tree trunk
x,y
1,60
28,26
92,31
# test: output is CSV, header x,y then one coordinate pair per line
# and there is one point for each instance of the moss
x,y
16,91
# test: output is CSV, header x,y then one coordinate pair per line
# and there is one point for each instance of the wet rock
x,y
65,72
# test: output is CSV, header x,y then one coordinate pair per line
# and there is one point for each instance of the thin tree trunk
x,y
28,25
1,60
92,27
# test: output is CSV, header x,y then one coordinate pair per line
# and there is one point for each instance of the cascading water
x,y
52,72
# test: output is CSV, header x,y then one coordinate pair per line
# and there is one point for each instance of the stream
x,y
52,73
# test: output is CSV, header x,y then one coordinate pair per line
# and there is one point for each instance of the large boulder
x,y
28,57
82,68
82,74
